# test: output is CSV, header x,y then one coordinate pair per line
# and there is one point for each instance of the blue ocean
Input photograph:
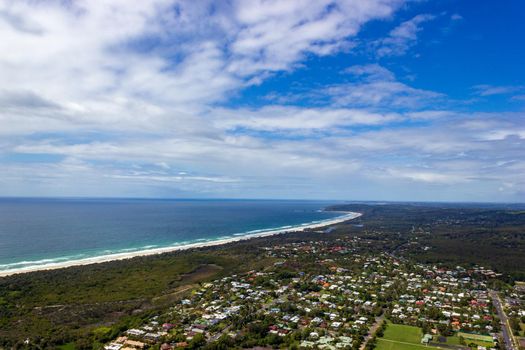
x,y
36,232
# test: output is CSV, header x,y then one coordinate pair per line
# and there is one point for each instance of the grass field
x,y
468,336
401,337
385,344
402,333
482,340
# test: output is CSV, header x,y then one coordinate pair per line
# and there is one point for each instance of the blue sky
x,y
356,100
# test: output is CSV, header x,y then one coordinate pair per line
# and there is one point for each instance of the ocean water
x,y
42,231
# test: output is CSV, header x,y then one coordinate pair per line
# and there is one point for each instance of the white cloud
x,y
427,176
375,85
172,178
401,38
490,90
445,154
275,34
279,118
109,98
108,65
371,72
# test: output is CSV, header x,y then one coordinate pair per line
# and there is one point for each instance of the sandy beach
x,y
128,255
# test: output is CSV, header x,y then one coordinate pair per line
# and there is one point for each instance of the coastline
x,y
155,251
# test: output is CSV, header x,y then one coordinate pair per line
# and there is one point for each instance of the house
x,y
135,332
314,335
307,344
426,339
336,325
343,342
325,340
167,326
113,346
134,344
152,336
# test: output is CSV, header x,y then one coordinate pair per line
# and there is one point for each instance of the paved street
x,y
373,329
505,326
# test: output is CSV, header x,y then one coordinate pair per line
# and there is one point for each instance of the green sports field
x,y
402,333
385,344
482,340
401,337
479,337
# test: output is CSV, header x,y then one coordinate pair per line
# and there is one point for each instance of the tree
x,y
371,344
462,340
197,341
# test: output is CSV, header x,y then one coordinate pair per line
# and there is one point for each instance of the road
x,y
372,331
505,326
218,335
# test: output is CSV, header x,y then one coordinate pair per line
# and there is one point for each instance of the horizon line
x,y
348,201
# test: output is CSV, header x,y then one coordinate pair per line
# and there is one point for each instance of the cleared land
x,y
385,344
482,340
401,337
402,333
469,336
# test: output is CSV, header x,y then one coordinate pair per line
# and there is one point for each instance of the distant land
x,y
90,306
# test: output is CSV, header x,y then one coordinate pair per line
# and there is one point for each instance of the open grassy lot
x,y
478,337
401,337
482,340
385,344
402,333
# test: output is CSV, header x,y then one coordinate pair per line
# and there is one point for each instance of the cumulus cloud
x,y
275,35
101,64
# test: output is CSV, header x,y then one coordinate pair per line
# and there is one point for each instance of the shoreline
x,y
155,251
